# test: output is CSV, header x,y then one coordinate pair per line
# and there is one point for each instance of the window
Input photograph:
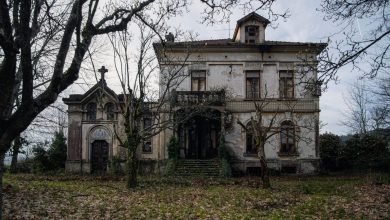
x,y
147,145
250,140
110,111
286,84
251,34
252,84
198,80
287,138
147,124
91,111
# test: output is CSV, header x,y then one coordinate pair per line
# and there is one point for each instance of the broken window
x,y
198,80
250,140
110,111
252,84
251,34
287,137
91,111
286,84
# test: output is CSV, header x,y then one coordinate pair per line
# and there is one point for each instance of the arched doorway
x,y
100,142
198,133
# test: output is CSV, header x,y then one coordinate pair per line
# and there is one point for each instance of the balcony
x,y
206,98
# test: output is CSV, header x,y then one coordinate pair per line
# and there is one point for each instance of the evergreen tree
x,y
57,151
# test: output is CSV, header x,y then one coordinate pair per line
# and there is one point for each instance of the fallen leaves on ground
x,y
89,197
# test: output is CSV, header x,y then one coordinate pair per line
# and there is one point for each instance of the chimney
x,y
170,38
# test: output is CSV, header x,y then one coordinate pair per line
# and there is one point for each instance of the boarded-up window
x,y
252,84
198,80
287,137
286,84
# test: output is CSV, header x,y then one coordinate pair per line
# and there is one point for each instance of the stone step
x,y
193,167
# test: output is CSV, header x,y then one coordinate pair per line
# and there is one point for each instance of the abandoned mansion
x,y
219,86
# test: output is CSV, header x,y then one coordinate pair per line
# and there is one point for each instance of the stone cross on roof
x,y
102,71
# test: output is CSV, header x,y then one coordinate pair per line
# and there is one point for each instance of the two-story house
x,y
226,78
215,84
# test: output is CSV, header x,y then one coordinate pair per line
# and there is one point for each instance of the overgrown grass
x,y
106,197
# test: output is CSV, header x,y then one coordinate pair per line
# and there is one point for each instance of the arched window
x,y
110,111
250,140
287,137
91,111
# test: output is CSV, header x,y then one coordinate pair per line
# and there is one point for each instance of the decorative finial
x,y
102,71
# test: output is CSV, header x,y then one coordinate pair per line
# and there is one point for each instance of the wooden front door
x,y
99,156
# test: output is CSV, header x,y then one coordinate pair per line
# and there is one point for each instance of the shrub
x,y
173,148
57,152
173,155
116,165
366,152
41,161
330,149
52,159
226,170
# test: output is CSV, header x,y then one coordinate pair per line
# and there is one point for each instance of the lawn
x,y
87,197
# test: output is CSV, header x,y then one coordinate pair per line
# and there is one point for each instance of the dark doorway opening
x,y
199,136
99,156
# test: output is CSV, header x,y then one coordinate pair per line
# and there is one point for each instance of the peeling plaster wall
x,y
227,70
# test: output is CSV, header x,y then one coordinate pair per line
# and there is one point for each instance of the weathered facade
x,y
231,76
221,82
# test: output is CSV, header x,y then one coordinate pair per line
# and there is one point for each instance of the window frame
x,y
89,112
148,141
285,138
110,113
284,92
199,79
252,39
253,97
249,135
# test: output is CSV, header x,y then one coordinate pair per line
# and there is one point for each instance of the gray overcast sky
x,y
305,24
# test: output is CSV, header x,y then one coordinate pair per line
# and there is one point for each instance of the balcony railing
x,y
212,98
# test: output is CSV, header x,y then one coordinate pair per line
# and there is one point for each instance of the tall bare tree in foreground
x,y
79,23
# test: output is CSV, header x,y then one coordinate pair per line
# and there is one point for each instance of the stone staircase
x,y
193,167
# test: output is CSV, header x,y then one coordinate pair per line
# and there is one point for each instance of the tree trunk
x,y
15,151
1,184
132,168
264,173
264,168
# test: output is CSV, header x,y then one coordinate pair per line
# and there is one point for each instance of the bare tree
x,y
358,104
264,124
381,112
368,52
263,130
74,25
367,109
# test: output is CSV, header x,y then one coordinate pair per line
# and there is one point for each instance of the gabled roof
x,y
253,16
250,16
79,98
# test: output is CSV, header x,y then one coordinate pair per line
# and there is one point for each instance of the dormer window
x,y
251,34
